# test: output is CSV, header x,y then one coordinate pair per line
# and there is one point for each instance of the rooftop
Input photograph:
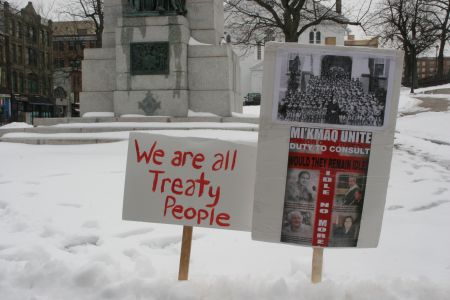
x,y
73,28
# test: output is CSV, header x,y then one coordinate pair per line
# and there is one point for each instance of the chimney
x,y
339,6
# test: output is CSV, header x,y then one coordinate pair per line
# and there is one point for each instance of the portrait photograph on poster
x,y
330,87
325,186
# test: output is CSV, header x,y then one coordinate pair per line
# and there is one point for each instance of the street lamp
x,y
413,63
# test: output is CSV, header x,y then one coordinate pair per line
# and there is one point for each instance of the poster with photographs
x,y
329,87
326,136
325,185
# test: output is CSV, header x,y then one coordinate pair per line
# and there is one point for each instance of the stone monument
x,y
161,57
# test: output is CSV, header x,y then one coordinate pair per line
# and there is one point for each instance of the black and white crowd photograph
x,y
332,89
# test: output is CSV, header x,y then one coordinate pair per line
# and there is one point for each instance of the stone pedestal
x,y
206,20
214,79
168,91
204,78
98,80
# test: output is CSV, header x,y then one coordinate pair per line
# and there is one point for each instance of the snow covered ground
x,y
62,237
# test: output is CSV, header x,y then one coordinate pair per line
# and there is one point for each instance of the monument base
x,y
152,70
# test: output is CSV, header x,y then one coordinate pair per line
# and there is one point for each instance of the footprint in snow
x,y
440,191
134,232
3,205
162,242
58,175
81,241
90,224
32,182
418,180
394,207
431,205
167,241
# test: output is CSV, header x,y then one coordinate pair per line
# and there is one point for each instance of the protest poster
x,y
325,144
189,181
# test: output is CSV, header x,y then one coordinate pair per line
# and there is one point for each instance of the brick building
x,y
427,67
26,64
5,93
69,40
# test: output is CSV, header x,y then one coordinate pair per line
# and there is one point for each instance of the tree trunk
x,y
408,68
99,34
290,34
291,37
440,66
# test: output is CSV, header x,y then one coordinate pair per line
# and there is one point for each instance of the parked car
x,y
252,99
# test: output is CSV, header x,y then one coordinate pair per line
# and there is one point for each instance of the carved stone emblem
x,y
149,58
149,105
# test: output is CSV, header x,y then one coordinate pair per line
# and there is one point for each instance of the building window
x,y
31,34
42,58
19,30
12,29
47,61
318,37
59,63
33,84
92,44
32,57
311,37
20,54
71,45
259,51
21,83
14,53
269,35
14,82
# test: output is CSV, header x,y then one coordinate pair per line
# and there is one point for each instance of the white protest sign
x,y
325,144
189,181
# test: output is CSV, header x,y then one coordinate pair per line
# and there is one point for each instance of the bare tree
x,y
407,25
88,9
251,21
440,10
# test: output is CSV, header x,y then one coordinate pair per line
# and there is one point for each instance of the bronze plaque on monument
x,y
149,58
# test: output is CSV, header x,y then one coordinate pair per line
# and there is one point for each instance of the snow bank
x,y
98,114
252,110
62,236
16,125
132,116
192,113
419,126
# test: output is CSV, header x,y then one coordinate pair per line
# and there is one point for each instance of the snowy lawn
x,y
62,236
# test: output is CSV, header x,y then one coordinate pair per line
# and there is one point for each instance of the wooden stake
x,y
185,254
317,261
